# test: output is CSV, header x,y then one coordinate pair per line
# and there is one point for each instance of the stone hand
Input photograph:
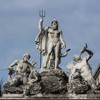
x,y
63,45
11,71
41,19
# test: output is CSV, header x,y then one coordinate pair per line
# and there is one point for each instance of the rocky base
x,y
13,89
54,82
78,87
50,82
35,89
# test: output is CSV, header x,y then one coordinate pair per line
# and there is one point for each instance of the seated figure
x,y
22,71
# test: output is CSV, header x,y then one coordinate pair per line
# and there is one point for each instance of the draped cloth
x,y
41,41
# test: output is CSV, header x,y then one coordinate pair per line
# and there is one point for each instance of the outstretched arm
x,y
83,49
13,64
10,68
90,54
40,25
40,28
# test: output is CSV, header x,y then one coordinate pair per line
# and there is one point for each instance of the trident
x,y
42,14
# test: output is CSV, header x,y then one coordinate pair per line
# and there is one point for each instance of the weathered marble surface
x,y
50,97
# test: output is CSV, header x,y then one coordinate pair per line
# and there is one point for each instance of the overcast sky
x,y
79,21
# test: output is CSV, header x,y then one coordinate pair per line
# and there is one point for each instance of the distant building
x,y
97,75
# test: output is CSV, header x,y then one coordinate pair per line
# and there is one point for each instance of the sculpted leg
x,y
48,54
57,52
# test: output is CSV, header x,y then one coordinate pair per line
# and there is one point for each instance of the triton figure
x,y
82,65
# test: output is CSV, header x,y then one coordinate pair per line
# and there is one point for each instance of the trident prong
x,y
42,13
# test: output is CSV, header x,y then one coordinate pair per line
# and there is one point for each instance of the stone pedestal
x,y
49,97
54,82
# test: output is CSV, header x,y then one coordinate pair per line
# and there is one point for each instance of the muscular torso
x,y
83,65
85,69
22,66
53,35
